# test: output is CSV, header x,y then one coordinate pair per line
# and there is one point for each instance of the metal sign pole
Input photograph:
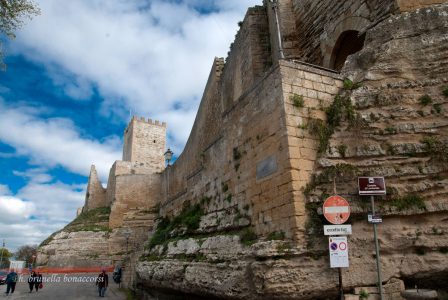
x,y
377,249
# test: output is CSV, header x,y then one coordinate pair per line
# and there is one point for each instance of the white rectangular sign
x,y
338,247
337,229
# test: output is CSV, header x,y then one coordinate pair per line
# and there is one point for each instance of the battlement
x,y
148,121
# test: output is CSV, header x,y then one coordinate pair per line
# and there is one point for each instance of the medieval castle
x,y
312,95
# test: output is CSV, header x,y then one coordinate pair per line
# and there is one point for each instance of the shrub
x,y
408,201
349,85
248,237
435,148
322,131
342,149
276,235
236,154
437,108
363,295
425,100
297,101
445,92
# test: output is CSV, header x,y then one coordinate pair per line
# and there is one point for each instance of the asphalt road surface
x,y
66,287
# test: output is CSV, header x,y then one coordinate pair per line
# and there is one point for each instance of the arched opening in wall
x,y
348,43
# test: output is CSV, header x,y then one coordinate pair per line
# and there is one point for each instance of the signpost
x,y
372,186
337,229
337,211
338,247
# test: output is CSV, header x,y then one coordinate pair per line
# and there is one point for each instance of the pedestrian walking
x,y
32,281
11,280
117,275
102,282
38,282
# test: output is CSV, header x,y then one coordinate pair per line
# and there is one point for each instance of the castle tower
x,y
95,194
144,143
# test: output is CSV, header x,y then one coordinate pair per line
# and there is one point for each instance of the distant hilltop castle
x,y
312,95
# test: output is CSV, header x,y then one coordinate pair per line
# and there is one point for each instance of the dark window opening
x,y
348,43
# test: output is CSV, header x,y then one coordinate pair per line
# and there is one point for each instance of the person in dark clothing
x,y
38,281
11,280
102,282
32,281
117,275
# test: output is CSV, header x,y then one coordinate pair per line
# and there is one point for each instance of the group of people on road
x,y
35,281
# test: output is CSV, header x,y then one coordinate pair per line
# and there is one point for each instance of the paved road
x,y
64,287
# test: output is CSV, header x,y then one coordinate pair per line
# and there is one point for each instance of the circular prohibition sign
x,y
342,246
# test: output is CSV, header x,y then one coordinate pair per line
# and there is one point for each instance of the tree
x,y
26,253
12,15
4,258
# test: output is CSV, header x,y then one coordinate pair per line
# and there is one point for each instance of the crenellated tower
x,y
144,143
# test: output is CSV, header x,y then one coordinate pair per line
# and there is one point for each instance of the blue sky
x,y
74,75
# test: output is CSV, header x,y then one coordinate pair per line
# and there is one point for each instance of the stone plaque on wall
x,y
267,167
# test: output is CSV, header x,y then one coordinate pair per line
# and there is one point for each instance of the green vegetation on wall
x,y
185,223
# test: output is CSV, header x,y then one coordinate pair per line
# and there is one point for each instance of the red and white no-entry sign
x,y
336,210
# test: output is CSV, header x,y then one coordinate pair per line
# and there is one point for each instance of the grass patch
x,y
435,148
407,202
425,100
363,295
297,101
342,149
445,91
92,220
437,108
188,220
248,237
236,154
276,236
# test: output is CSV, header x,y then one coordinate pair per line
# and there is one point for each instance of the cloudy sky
x,y
74,75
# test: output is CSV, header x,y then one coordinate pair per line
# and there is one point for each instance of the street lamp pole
x,y
168,156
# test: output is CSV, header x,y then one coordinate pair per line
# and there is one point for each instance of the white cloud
x,y
37,175
37,210
55,142
14,209
143,57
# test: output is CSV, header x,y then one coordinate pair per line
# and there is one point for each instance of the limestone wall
x,y
249,57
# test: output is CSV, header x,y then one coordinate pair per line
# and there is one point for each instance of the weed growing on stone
x,y
407,202
248,237
189,219
297,101
390,130
236,154
443,250
276,235
445,91
342,149
436,149
349,85
363,295
425,100
437,107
